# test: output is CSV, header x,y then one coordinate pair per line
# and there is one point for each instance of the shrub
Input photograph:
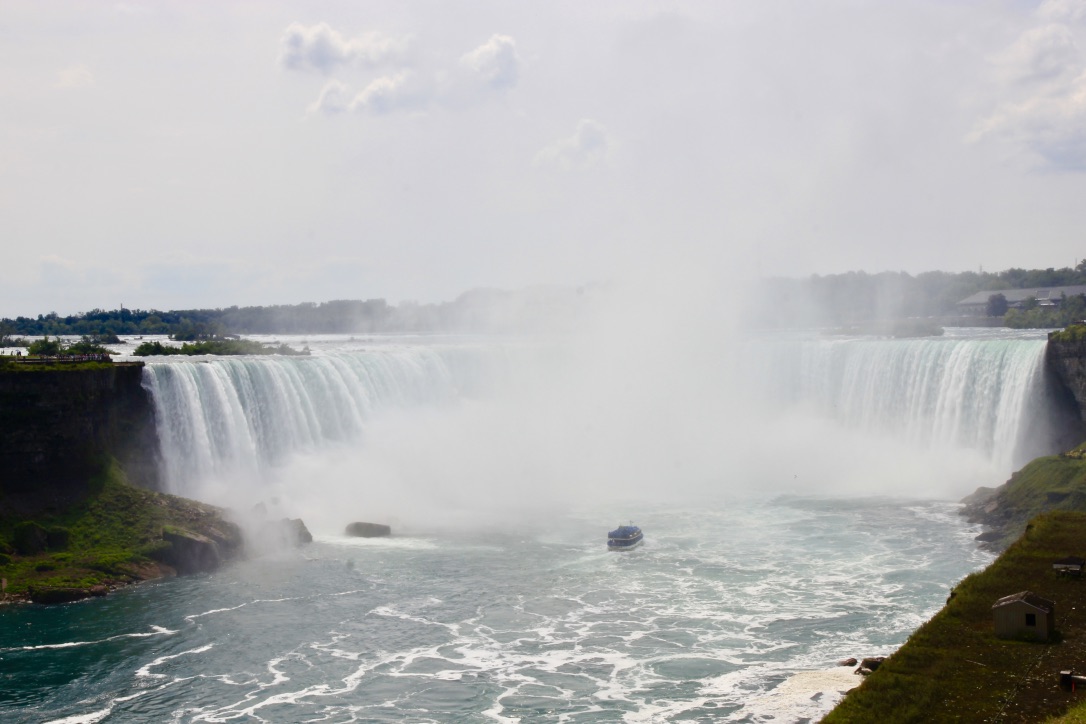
x,y
46,346
149,349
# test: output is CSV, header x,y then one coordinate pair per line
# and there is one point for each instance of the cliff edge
x,y
73,440
57,425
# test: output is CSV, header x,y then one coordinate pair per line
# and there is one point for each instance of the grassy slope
x,y
111,536
953,668
1056,482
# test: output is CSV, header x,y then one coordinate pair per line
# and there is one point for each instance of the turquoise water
x,y
704,622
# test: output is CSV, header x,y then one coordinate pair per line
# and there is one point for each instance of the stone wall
x,y
56,426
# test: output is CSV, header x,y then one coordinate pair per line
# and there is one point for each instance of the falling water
x,y
230,415
980,394
987,395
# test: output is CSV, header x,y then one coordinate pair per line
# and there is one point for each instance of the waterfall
x,y
236,414
987,395
978,393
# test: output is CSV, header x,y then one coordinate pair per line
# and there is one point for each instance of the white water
x,y
973,405
976,392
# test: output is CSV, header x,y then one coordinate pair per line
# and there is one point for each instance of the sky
x,y
170,155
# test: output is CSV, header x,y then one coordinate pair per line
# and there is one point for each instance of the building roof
x,y
1031,599
1070,561
1021,295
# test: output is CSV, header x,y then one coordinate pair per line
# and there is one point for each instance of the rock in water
x,y
285,533
189,552
368,530
869,664
297,531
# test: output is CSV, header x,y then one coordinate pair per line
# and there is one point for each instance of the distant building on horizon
x,y
977,304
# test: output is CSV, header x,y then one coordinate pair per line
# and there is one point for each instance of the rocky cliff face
x,y
1067,360
56,425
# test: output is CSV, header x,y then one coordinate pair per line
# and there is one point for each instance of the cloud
x,y
1052,125
321,48
1042,81
334,98
589,145
1063,10
76,76
1041,53
388,94
495,62
491,68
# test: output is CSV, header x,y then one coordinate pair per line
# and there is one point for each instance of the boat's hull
x,y
624,544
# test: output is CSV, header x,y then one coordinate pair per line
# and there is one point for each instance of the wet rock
x,y
285,533
368,530
64,594
189,552
872,662
847,662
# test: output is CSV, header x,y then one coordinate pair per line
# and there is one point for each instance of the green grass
x,y
17,365
111,536
954,669
1055,482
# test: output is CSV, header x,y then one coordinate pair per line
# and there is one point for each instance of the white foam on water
x,y
399,542
806,695
145,670
158,631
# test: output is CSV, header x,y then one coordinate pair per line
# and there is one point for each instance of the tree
x,y
46,346
997,305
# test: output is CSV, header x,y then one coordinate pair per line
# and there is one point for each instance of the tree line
x,y
857,297
481,310
834,299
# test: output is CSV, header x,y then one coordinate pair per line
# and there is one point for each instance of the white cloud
x,y
495,61
321,48
76,76
589,145
388,94
1043,87
1041,53
1063,10
334,98
1051,125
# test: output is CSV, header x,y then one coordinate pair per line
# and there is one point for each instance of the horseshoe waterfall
x,y
797,497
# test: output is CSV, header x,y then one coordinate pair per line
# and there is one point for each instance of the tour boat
x,y
624,538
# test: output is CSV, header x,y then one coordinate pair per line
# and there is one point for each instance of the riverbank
x,y
117,534
955,664
1053,482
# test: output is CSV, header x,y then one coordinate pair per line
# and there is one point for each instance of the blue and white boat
x,y
624,538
